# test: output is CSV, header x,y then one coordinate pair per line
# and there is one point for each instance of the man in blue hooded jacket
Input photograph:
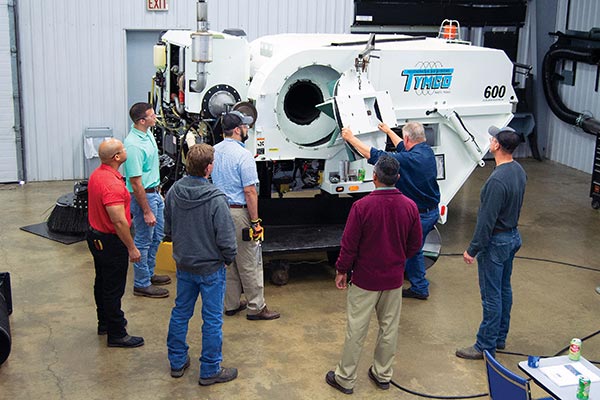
x,y
198,220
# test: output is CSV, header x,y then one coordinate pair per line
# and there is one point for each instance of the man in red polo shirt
x,y
110,242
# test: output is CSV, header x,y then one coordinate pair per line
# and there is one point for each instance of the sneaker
x,y
126,341
264,314
160,279
598,290
330,379
413,295
102,330
470,353
151,291
242,307
380,384
178,373
224,375
500,346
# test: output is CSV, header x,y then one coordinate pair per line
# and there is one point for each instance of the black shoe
x,y
224,375
330,379
500,346
378,383
102,330
178,373
126,341
413,295
242,307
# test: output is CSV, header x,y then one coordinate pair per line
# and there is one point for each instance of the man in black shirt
x,y
496,241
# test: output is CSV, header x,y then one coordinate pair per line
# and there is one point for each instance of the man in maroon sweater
x,y
383,230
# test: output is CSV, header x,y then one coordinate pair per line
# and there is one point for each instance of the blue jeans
x,y
495,264
147,238
212,291
415,266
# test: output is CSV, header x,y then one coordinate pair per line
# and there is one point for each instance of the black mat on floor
x,y
298,239
41,229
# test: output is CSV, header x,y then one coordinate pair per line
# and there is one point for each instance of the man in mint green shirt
x,y
147,206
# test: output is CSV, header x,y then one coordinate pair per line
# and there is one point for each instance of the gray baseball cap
x,y
507,137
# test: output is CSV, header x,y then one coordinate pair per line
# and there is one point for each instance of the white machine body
x,y
457,91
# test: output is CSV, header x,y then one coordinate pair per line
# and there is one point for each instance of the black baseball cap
x,y
233,119
507,137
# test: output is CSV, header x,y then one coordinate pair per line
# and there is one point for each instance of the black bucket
x,y
5,311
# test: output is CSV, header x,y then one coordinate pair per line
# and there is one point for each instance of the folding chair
x,y
505,384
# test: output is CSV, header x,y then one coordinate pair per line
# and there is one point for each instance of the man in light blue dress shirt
x,y
235,175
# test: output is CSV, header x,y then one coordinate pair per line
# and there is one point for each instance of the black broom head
x,y
69,215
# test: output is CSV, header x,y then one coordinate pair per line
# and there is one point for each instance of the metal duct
x,y
550,80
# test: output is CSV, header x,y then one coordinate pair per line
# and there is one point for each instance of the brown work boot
x,y
470,353
224,375
264,314
160,280
151,291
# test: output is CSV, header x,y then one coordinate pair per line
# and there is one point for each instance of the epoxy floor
x,y
56,353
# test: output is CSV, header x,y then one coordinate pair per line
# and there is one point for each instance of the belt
x,y
498,230
238,206
426,210
97,232
151,190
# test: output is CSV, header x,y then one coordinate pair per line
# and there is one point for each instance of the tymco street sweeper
x,y
302,88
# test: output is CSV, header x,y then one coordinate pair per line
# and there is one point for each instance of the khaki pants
x,y
387,305
246,272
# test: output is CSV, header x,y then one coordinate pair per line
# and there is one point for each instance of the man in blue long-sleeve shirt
x,y
418,181
495,242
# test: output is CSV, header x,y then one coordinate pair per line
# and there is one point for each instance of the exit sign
x,y
157,5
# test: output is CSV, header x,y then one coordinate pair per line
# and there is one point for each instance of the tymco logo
x,y
428,78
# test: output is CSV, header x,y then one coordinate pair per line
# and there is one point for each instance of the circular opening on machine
x,y
300,102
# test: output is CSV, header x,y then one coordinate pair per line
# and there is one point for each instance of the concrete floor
x,y
56,353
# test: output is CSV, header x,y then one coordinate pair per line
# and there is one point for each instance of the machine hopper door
x,y
363,111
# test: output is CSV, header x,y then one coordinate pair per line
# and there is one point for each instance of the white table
x,y
560,392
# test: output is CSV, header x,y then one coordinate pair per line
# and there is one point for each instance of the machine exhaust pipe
x,y
201,47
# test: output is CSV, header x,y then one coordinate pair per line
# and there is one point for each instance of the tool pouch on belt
x,y
246,234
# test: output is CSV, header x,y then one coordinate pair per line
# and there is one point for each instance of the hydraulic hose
x,y
550,84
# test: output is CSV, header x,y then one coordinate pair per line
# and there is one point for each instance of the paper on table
x,y
568,374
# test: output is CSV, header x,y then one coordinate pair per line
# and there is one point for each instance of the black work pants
x,y
111,261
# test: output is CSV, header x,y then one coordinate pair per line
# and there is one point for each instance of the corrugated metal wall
x,y
566,144
266,17
73,69
73,58
8,152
